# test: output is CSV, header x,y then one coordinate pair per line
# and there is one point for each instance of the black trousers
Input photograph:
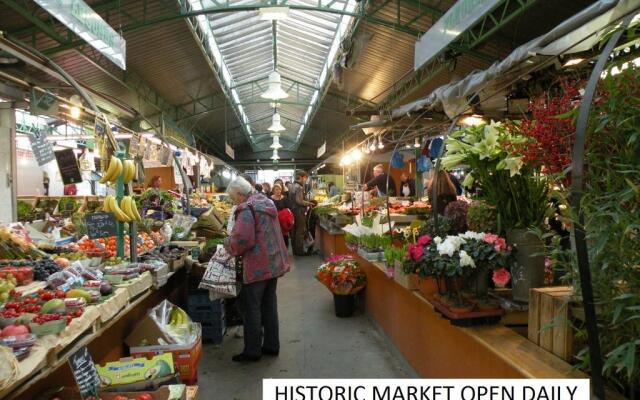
x,y
259,306
299,231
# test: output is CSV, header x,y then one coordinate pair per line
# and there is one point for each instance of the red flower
x,y
501,277
415,252
424,240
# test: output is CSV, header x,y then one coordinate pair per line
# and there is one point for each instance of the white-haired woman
x,y
257,238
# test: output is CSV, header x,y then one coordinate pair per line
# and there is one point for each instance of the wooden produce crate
x,y
549,320
408,281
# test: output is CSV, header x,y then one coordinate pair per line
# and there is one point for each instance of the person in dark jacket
x,y
407,186
444,189
256,236
285,216
299,207
379,182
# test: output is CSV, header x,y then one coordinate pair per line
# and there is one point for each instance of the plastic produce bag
x,y
175,322
182,225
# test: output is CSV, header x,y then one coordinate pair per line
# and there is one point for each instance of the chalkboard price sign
x,y
85,373
100,225
68,166
41,147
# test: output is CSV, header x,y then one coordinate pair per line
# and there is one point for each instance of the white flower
x,y
473,235
446,248
437,240
466,260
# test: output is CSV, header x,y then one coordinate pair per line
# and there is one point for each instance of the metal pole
x,y
119,195
577,170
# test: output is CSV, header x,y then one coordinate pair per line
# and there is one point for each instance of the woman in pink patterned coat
x,y
257,238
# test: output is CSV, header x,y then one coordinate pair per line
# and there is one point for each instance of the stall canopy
x,y
579,33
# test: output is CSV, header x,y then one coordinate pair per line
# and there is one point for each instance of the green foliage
x,y
350,238
482,217
68,205
393,254
428,227
24,210
375,242
611,209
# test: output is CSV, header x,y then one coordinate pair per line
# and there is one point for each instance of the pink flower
x,y
337,258
499,243
424,240
415,252
501,277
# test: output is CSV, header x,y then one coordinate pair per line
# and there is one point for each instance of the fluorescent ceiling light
x,y
273,13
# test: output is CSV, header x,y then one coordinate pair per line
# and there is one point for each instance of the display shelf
x,y
50,364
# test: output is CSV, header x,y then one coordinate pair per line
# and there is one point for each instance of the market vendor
x,y
380,183
407,186
156,182
333,189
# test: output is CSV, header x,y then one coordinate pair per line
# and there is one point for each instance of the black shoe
x,y
245,358
267,352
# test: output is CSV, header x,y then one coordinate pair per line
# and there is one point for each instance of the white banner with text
x,y
425,389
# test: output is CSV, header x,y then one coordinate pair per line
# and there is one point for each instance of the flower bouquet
x,y
344,278
342,275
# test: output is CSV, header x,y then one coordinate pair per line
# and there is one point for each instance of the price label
x,y
134,144
100,225
84,373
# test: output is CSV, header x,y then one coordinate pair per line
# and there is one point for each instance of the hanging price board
x,y
101,225
41,147
68,166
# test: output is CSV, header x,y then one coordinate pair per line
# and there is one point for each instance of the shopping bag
x,y
308,243
221,276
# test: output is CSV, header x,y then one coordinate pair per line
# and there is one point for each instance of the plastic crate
x,y
214,332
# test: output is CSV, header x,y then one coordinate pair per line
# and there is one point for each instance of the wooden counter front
x,y
437,349
328,243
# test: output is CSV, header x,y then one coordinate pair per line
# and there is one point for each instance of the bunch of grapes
x,y
43,268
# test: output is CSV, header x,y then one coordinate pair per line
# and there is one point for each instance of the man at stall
x,y
299,205
379,182
407,186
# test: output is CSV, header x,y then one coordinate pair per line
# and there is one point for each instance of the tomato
x,y
120,398
144,396
46,296
60,294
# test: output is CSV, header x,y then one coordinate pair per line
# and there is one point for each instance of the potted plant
x,y
344,278
511,183
481,217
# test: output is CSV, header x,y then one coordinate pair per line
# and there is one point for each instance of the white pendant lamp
x,y
276,126
275,155
276,142
274,91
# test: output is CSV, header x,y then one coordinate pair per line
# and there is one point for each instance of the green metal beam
x,y
482,30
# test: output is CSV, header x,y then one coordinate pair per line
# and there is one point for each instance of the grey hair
x,y
240,186
379,167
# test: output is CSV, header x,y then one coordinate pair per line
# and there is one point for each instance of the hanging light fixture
x,y
274,91
275,155
380,144
373,145
416,144
276,142
366,148
76,103
276,126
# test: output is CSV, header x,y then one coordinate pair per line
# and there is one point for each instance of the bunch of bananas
x,y
118,167
127,211
178,317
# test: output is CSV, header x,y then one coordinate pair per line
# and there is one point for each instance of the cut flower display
x,y
342,275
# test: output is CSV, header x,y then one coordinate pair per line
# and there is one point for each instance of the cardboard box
x,y
146,333
167,392
132,370
185,357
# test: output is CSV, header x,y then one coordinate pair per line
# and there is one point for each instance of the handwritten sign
x,y
41,147
100,225
68,166
85,373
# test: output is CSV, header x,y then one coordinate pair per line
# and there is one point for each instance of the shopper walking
x,y
299,205
266,189
256,238
285,216
333,189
